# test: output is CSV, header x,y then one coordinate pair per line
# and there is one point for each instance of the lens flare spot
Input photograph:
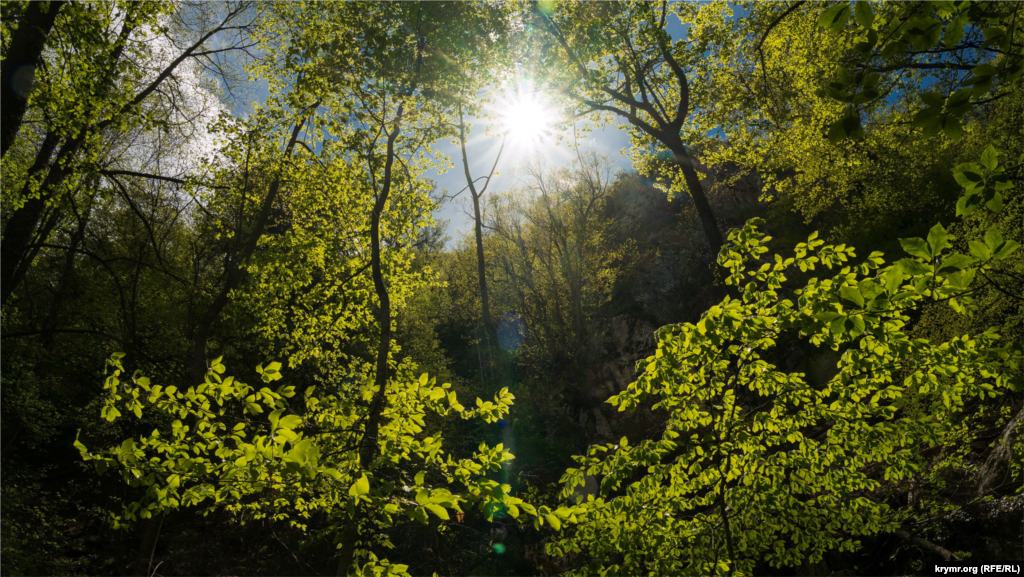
x,y
511,332
498,548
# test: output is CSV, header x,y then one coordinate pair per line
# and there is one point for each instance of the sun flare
x,y
527,119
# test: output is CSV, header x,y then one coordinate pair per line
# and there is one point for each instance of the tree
x,y
372,126
640,74
227,445
774,95
757,463
98,72
554,264
490,327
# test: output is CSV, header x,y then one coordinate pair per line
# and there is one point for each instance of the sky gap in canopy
x,y
482,147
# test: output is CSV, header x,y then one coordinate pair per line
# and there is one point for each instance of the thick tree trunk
x,y
22,226
700,199
18,68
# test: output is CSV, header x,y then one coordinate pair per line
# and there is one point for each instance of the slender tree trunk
x,y
236,270
368,444
490,328
150,529
347,555
481,269
53,317
18,68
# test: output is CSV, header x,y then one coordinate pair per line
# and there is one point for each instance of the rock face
x,y
623,341
1000,536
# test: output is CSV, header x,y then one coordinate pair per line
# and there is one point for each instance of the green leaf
x,y
912,267
979,250
955,263
290,421
553,521
857,325
993,239
838,326
835,17
938,239
951,127
967,204
916,247
969,175
437,510
955,31
933,99
990,158
848,126
893,280
863,13
852,295
360,487
274,417
419,478
1007,249
995,204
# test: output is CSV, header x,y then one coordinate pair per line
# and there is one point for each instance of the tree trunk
x,y
490,328
18,69
368,444
53,316
481,271
348,546
23,224
150,528
700,199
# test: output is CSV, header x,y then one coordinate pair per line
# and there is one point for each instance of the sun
x,y
527,119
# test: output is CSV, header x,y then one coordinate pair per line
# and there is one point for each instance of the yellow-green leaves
x,y
748,441
238,462
983,183
927,250
360,487
438,510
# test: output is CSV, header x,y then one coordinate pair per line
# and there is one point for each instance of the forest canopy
x,y
780,333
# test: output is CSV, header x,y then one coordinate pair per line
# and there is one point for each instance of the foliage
x,y
148,208
255,454
554,265
755,462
